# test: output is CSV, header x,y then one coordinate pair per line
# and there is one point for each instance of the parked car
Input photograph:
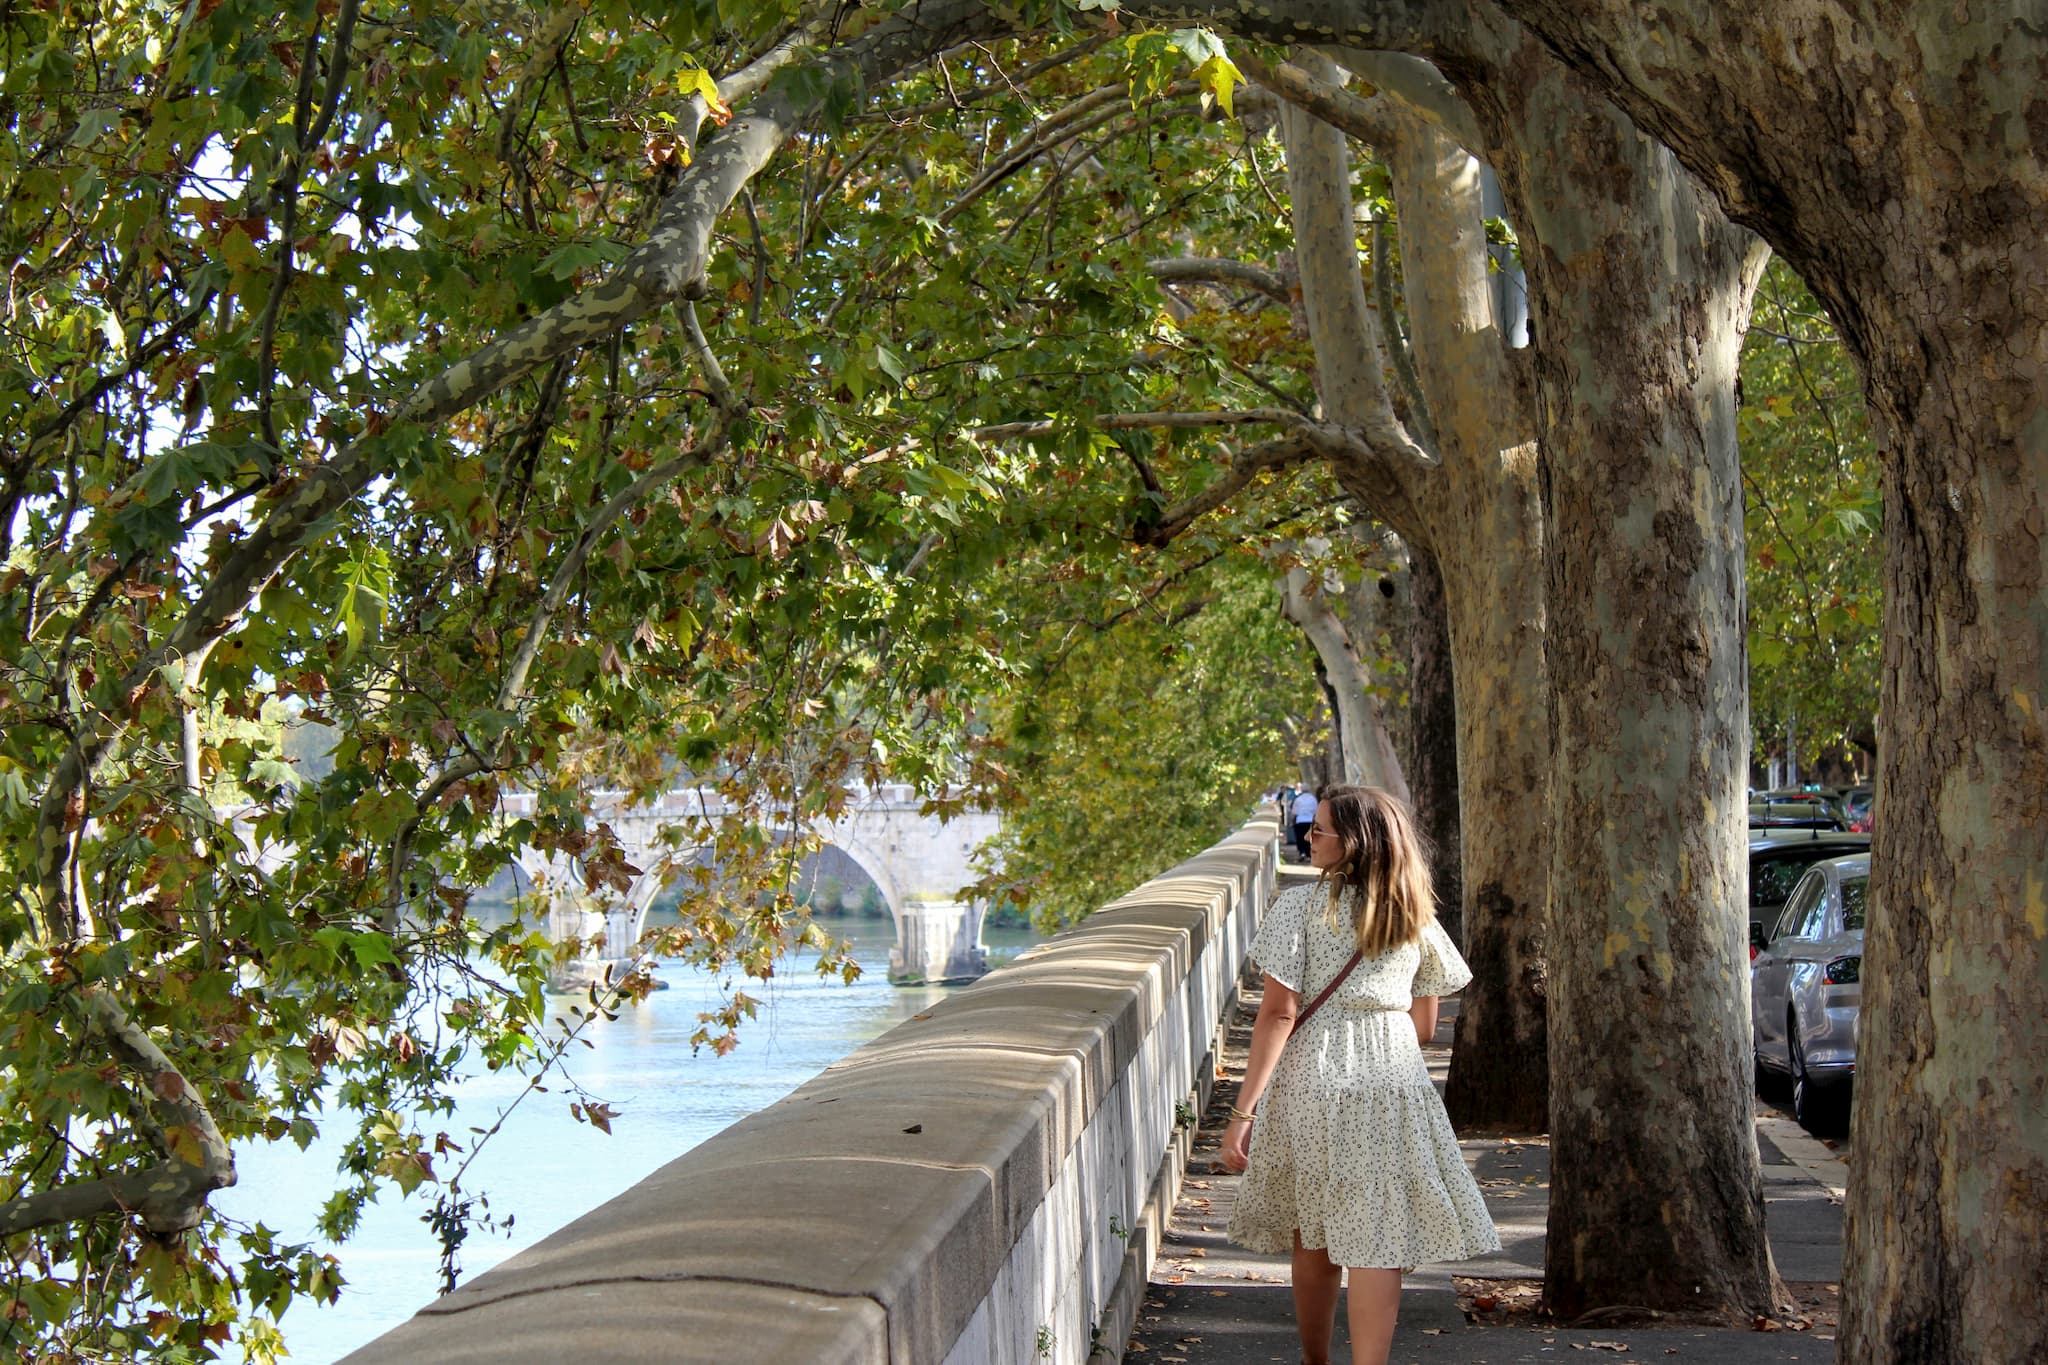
x,y
1799,810
1859,804
1777,860
1806,989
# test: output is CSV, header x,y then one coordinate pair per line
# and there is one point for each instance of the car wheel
x,y
1811,1103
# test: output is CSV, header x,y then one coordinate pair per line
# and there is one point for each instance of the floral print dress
x,y
1352,1145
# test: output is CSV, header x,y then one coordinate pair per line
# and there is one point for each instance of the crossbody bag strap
x,y
1329,990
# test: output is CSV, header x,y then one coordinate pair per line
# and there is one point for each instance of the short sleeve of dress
x,y
1442,969
1281,945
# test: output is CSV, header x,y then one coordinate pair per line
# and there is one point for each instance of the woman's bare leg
x,y
1374,1302
1317,1279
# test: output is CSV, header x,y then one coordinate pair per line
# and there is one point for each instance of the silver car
x,y
1806,988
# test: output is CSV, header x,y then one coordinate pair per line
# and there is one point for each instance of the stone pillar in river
x,y
937,941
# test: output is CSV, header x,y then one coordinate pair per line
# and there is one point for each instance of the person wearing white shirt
x,y
1304,816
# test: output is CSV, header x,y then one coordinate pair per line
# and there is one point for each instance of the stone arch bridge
x,y
916,861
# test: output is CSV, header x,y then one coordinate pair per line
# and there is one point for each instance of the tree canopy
x,y
1809,474
320,395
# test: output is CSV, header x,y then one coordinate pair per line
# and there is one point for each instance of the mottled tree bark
x,y
1487,527
1500,1073
1895,155
1361,750
1475,507
1431,759
1640,289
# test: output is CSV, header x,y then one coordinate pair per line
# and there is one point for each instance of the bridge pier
x,y
605,931
937,941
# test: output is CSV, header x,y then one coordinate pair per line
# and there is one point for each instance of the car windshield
x,y
1771,882
1853,892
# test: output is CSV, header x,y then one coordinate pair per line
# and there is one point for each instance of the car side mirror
x,y
1756,936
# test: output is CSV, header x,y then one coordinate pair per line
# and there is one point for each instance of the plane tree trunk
x,y
1895,156
1472,503
1640,290
1431,760
1363,748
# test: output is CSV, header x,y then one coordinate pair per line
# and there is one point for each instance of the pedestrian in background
x,y
1352,1167
1304,816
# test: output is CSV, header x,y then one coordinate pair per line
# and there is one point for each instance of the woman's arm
x,y
1423,1012
1270,1032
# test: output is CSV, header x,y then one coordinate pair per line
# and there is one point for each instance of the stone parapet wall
x,y
984,1183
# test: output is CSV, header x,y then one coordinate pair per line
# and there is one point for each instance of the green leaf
x,y
372,950
1199,44
565,262
890,364
273,775
365,596
94,124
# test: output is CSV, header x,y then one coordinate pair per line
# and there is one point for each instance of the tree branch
x,y
958,100
1397,345
1420,86
1380,457
1054,131
1215,270
169,1196
1333,104
307,130
1245,466
512,689
1425,27
1132,421
547,47
668,266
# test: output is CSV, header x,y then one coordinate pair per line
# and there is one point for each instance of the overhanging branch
x,y
668,266
1217,270
1246,466
1420,86
169,1196
1333,104
1133,421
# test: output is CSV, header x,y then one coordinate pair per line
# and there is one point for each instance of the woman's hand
x,y
1237,1145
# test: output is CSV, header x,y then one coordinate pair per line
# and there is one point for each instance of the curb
x,y
1807,1152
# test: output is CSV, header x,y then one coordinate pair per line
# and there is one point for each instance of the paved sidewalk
x,y
1211,1303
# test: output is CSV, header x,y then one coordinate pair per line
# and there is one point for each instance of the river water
x,y
545,1168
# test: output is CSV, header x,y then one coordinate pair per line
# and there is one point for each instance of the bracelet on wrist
x,y
1244,1114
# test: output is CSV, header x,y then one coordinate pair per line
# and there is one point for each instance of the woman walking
x,y
1350,1161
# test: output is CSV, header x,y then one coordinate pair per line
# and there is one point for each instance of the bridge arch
x,y
916,862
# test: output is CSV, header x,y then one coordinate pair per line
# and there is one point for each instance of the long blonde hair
x,y
1386,861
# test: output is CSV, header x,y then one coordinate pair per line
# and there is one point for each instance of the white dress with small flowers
x,y
1352,1145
